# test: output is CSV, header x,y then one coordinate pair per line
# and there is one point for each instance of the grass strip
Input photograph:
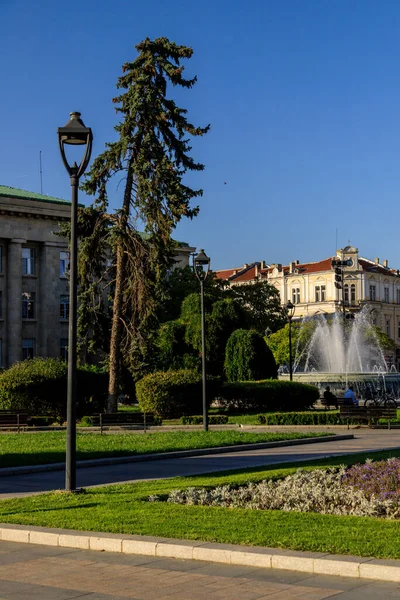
x,y
125,509
39,448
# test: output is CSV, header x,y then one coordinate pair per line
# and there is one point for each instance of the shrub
x,y
248,358
39,386
172,394
269,395
300,418
198,420
323,491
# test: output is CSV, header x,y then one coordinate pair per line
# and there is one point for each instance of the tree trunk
x,y
115,342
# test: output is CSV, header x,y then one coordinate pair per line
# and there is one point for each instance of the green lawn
x,y
49,447
124,509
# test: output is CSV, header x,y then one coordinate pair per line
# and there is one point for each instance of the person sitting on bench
x,y
350,397
329,398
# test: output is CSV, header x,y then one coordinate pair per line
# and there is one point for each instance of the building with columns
x,y
34,260
311,287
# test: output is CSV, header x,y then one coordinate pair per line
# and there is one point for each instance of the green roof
x,y
10,192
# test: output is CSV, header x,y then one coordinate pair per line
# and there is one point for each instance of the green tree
x,y
248,358
152,155
301,337
375,333
262,304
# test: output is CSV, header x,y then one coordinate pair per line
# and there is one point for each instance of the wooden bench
x,y
125,419
12,420
328,403
370,414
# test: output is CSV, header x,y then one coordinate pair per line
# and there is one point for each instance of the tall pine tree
x,y
152,154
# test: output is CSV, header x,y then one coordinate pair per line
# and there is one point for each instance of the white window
x,y
296,295
28,348
64,307
346,293
64,263
372,293
353,292
64,349
28,305
398,296
28,261
386,294
319,293
388,327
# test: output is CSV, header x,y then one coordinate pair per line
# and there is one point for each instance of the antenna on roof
x,y
41,173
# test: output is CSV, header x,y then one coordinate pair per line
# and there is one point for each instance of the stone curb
x,y
250,556
98,462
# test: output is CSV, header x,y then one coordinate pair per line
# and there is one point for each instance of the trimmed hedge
x,y
198,420
39,386
300,418
267,395
171,394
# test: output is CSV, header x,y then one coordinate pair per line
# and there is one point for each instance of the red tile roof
x,y
369,265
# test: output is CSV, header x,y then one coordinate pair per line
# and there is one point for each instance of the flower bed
x,y
370,489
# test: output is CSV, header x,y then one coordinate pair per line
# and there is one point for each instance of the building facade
x,y
311,288
34,261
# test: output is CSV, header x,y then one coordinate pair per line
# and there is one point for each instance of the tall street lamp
x,y
75,134
289,310
201,267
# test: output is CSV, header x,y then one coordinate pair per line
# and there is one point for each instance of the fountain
x,y
340,352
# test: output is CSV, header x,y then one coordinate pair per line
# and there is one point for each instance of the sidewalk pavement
x,y
30,571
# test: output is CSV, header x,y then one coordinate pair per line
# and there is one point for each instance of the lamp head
x,y
201,264
74,133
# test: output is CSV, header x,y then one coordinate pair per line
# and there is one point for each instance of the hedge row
x,y
300,418
173,394
39,386
198,420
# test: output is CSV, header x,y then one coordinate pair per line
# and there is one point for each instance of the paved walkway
x,y
365,439
28,572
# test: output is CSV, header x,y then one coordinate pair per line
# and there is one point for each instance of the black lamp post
x,y
75,134
201,267
289,310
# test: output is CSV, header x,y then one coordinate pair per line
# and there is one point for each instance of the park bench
x,y
13,420
328,403
371,414
125,419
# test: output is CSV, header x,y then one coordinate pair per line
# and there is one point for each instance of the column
x,y
14,300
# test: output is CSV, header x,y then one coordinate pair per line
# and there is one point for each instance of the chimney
x,y
292,267
256,270
263,264
297,262
279,267
386,263
245,265
377,261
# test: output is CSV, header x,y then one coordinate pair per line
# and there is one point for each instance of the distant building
x,y
311,287
34,261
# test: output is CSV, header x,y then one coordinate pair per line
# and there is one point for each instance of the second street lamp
x,y
289,310
74,134
201,267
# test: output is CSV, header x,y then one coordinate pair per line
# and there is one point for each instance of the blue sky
x,y
303,98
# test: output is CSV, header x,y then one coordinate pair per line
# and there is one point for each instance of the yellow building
x,y
311,287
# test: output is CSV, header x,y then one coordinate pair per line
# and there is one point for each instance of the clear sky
x,y
303,98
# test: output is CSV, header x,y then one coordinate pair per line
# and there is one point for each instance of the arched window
x,y
353,292
346,293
